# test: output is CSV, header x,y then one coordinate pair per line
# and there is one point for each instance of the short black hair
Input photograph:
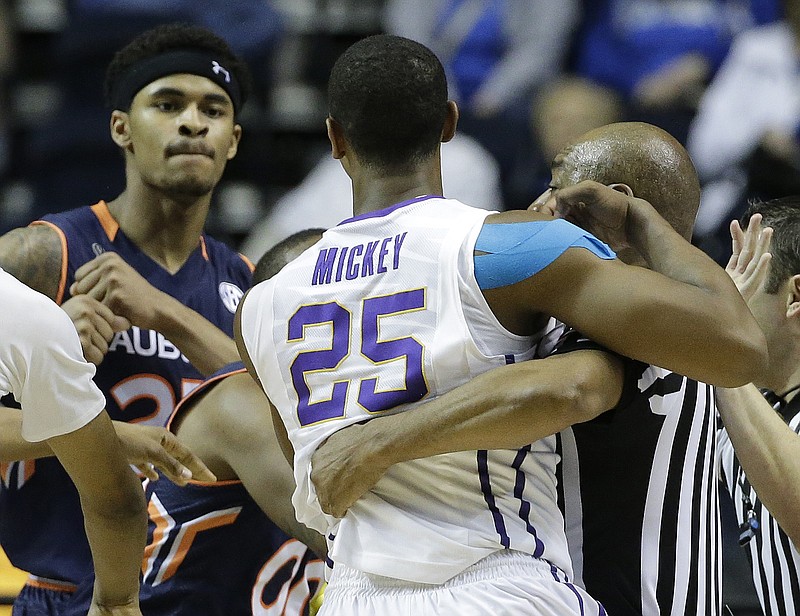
x,y
284,251
172,37
389,95
783,215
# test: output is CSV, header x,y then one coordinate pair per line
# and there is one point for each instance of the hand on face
x,y
110,280
96,325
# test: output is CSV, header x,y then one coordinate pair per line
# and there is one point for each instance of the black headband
x,y
171,63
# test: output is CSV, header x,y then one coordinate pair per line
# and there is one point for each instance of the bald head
x,y
650,161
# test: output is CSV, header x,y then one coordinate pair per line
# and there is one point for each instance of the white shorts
x,y
506,583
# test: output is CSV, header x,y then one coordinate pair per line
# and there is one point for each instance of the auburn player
x,y
229,547
140,259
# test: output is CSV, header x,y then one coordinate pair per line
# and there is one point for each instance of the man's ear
x,y
793,307
450,122
236,137
120,128
623,188
336,137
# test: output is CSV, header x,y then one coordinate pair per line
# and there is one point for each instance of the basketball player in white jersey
x,y
637,484
418,294
42,364
760,445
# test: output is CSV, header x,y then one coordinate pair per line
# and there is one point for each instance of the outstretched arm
x,y
12,445
505,408
767,448
146,447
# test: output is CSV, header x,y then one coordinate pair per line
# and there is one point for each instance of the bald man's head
x,y
649,160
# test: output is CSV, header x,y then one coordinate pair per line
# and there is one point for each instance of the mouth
x,y
189,149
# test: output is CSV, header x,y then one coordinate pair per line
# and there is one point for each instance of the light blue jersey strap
x,y
517,251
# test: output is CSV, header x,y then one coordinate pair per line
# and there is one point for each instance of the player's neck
x,y
168,231
373,191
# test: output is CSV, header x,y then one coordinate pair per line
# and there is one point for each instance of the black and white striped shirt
x,y
640,501
775,561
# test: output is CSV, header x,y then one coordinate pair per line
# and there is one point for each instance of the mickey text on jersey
x,y
351,262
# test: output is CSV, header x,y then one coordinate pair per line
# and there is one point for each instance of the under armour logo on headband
x,y
218,69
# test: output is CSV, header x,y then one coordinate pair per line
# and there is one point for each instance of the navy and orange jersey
x,y
142,376
212,551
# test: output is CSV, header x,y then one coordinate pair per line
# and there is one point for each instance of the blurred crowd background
x,y
720,75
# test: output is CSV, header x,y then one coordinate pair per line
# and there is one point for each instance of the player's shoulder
x,y
234,409
32,253
30,313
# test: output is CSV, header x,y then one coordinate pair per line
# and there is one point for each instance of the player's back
x,y
383,312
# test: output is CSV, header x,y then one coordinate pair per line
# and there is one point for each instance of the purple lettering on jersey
x,y
352,267
360,260
382,255
324,267
340,265
367,265
398,243
381,352
324,359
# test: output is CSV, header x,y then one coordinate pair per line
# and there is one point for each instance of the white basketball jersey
x,y
384,313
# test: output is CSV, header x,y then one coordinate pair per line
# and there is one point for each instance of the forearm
x,y
206,346
12,445
503,409
768,450
667,253
117,541
113,505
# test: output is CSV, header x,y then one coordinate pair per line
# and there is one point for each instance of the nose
x,y
192,122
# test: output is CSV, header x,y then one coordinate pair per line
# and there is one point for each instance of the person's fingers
x,y
147,470
760,247
88,283
737,238
93,355
192,467
88,267
120,324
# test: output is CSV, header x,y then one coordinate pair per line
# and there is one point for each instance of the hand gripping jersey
x,y
142,376
382,313
212,551
774,559
638,488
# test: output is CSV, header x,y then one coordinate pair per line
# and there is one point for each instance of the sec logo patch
x,y
230,295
